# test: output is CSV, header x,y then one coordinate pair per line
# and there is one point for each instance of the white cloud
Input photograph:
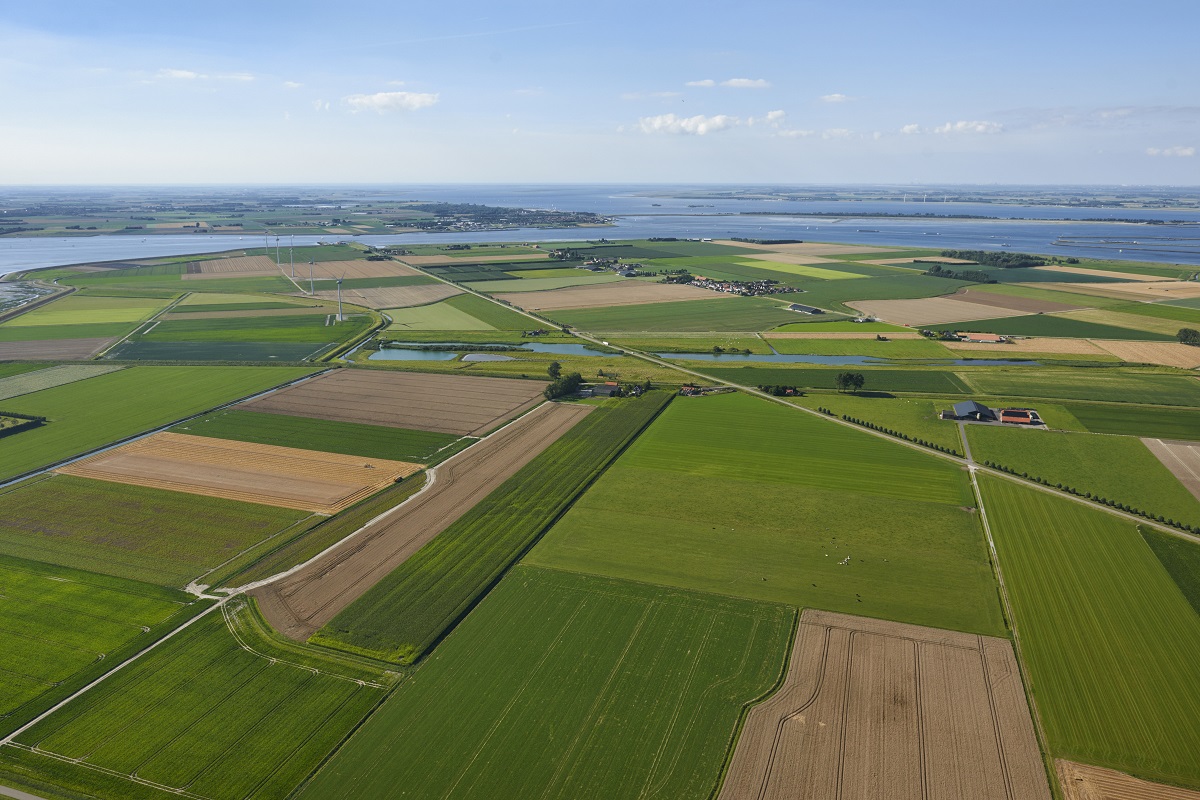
x,y
796,133
180,74
320,105
969,126
698,125
706,83
834,98
909,130
776,116
1171,152
836,133
773,118
236,76
292,85
745,83
381,102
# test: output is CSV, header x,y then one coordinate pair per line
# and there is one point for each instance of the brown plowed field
x,y
810,248
394,296
302,602
870,709
1170,354
53,349
927,311
1083,782
1182,458
445,403
324,483
625,293
1022,305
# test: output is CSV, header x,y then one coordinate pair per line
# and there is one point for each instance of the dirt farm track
x,y
881,709
303,601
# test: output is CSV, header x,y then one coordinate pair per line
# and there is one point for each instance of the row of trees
x,y
852,381
897,434
1001,258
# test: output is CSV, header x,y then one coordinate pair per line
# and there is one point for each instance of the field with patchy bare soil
x,y
1084,782
625,293
1182,458
53,349
308,480
927,311
1170,354
394,296
301,603
870,708
426,402
1023,305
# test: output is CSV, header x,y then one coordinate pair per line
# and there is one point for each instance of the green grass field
x,y
691,343
48,378
538,284
99,330
301,328
1052,326
562,685
403,615
84,310
928,381
1183,316
895,348
434,317
58,623
769,502
1181,559
1110,644
916,416
1118,468
140,349
205,714
1052,295
331,436
104,409
843,326
729,314
1156,423
1105,384
134,532
493,314
833,294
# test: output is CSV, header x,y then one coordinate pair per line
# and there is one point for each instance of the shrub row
x,y
900,435
1095,498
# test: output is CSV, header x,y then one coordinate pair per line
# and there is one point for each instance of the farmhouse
x,y
803,309
971,410
982,338
1019,416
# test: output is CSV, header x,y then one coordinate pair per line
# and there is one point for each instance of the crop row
x,y
409,610
1107,501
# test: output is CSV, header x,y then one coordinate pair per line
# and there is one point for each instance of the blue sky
x,y
1059,91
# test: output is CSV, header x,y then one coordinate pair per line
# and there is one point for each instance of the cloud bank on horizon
x,y
533,91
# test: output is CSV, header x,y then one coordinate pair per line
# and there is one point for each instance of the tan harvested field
x,y
1118,319
625,293
324,483
394,296
831,335
810,248
1084,782
53,349
1021,305
927,311
465,405
438,261
1182,458
241,264
875,709
300,603
264,312
1155,290
1123,276
1168,354
1082,347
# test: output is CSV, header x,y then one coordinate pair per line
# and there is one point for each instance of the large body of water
x,y
644,216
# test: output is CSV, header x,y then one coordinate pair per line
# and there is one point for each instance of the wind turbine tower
x,y
339,285
292,255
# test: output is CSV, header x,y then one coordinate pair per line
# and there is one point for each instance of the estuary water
x,y
642,216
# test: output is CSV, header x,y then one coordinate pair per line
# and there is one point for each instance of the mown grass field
x,y
1106,384
728,314
56,623
1181,559
92,413
927,381
299,328
895,348
403,615
100,330
1110,644
916,416
140,349
833,295
35,381
1184,316
562,685
434,317
205,714
134,532
739,496
331,436
843,326
84,310
1155,423
1052,326
1118,468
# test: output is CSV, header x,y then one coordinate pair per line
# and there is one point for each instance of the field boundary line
x,y
142,325
112,445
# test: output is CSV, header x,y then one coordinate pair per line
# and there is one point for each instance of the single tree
x,y
554,370
1188,336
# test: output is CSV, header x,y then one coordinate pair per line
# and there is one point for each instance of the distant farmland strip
x,y
929,381
49,378
1085,598
1159,423
405,613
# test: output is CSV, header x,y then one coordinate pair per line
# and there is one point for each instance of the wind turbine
x,y
292,255
340,318
311,291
